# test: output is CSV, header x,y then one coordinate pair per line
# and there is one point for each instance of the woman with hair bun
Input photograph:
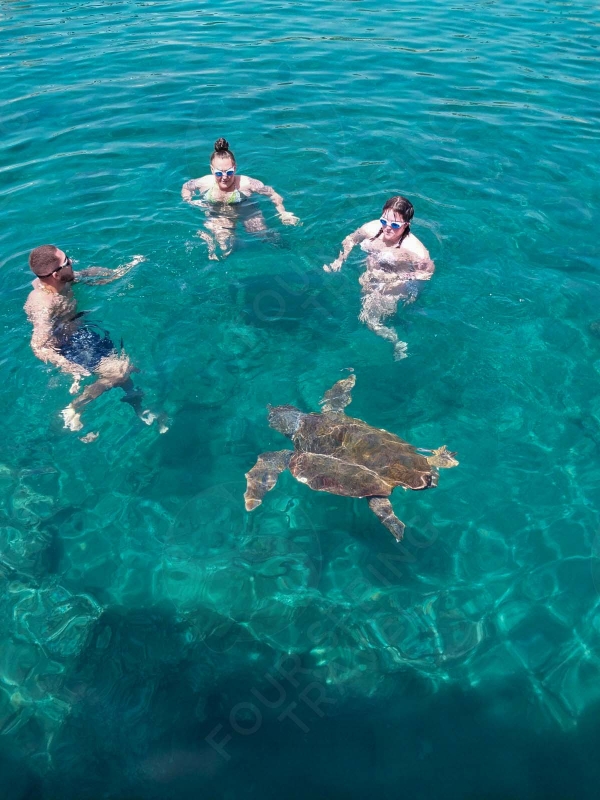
x,y
223,194
396,263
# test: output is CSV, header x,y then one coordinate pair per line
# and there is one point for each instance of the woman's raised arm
x,y
359,235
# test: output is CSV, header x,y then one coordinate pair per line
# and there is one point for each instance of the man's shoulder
x,y
33,299
38,301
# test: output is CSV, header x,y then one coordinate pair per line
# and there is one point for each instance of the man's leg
x,y
112,371
134,397
72,413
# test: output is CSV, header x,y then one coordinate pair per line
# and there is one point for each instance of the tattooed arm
x,y
259,187
195,185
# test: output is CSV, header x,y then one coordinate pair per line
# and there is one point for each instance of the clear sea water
x,y
157,641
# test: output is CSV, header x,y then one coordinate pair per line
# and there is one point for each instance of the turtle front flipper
x,y
263,476
382,508
442,458
338,397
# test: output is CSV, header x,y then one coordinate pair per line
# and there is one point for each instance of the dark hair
x,y
401,206
44,260
222,149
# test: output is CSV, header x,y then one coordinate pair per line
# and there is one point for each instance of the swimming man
x,y
60,337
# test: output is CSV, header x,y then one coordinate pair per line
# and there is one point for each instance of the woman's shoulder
x,y
369,229
248,184
200,184
415,246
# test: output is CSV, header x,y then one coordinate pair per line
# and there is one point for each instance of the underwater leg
x,y
375,307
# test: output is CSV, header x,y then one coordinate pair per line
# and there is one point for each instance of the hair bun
x,y
221,145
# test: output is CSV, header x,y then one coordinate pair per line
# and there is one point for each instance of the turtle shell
x,y
342,455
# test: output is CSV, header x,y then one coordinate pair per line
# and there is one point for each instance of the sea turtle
x,y
338,454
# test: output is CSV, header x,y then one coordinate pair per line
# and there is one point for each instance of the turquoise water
x,y
157,640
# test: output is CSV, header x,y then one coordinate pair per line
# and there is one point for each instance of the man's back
x,y
47,311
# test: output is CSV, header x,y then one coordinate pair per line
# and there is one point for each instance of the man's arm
x,y
95,276
352,239
259,187
42,338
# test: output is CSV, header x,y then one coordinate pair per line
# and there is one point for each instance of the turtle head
x,y
284,419
442,458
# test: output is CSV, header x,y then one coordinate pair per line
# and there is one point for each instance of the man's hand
x,y
78,374
288,218
335,266
122,270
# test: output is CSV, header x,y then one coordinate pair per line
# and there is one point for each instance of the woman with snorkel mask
x,y
396,262
223,194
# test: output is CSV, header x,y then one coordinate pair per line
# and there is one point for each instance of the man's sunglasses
x,y
68,263
219,172
395,226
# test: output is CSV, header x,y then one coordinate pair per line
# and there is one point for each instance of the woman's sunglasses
x,y
395,226
219,172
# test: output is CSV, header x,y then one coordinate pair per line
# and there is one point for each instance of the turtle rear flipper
x,y
382,508
263,476
338,397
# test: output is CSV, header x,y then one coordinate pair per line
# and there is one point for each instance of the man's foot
x,y
400,351
89,437
148,417
71,418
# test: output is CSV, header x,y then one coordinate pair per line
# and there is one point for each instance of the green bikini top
x,y
233,197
